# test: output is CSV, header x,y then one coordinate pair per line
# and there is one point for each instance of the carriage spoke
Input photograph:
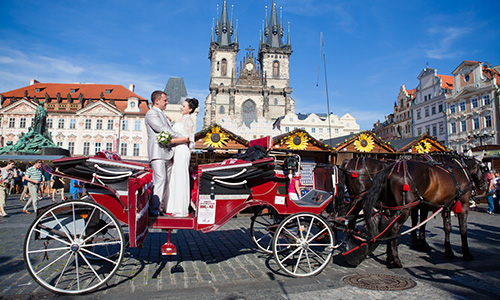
x,y
316,235
290,255
47,250
90,266
64,270
95,233
63,227
300,228
53,262
100,256
51,236
298,261
308,262
87,223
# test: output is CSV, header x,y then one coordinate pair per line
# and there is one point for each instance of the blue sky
x,y
371,47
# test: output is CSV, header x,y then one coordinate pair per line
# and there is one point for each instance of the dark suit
x,y
160,157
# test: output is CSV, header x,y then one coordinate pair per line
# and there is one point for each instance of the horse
x,y
454,163
355,177
402,186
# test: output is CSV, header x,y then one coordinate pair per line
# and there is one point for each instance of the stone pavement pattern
x,y
226,265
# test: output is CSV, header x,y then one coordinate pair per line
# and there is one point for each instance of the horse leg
x,y
414,238
448,253
462,222
393,260
423,245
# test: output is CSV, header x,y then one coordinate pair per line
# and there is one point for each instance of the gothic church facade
x,y
255,90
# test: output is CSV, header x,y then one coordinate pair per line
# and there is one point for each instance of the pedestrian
x,y
6,174
75,189
47,183
25,192
57,185
491,191
18,181
34,177
496,200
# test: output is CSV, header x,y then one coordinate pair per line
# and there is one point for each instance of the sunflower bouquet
x,y
164,138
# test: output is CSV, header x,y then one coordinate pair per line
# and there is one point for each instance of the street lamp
x,y
480,135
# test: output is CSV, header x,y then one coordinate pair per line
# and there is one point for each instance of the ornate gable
x,y
100,108
19,107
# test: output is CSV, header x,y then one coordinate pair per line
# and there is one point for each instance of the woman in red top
x,y
294,192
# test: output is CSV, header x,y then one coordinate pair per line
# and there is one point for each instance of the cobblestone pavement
x,y
225,265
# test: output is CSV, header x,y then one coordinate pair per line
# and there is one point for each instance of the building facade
x,y
259,87
83,118
428,109
472,106
403,114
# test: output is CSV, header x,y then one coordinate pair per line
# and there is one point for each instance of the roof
x,y
229,139
310,143
175,90
113,94
447,81
433,145
378,145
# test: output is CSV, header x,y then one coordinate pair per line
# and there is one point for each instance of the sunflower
x,y
364,143
423,147
216,138
297,141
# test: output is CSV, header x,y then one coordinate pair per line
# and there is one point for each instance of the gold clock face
x,y
249,67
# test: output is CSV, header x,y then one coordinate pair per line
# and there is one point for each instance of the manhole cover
x,y
380,282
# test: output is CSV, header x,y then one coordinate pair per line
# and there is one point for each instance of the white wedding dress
x,y
179,189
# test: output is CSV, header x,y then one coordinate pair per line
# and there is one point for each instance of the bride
x,y
179,185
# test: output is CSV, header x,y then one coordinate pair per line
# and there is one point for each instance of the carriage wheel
x,y
303,244
74,247
264,224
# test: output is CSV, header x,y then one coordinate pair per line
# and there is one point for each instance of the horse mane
x,y
370,199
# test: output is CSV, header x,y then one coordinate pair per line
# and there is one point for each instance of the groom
x,y
160,157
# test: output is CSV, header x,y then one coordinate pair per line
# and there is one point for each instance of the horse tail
x,y
341,185
370,199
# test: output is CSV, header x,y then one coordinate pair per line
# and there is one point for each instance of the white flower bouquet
x,y
164,138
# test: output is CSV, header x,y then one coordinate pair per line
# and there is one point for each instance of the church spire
x,y
224,28
274,29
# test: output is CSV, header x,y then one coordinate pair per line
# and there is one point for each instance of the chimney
x,y
33,81
131,87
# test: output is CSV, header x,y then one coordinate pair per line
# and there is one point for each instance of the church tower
x,y
222,55
255,92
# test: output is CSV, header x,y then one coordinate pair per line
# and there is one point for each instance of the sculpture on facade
x,y
36,138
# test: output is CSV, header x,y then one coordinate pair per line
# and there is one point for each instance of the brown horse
x,y
407,183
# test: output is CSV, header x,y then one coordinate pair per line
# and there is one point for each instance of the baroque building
x,y
83,118
472,106
428,109
402,114
256,90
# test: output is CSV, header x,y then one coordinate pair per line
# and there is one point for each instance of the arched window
x,y
248,109
276,69
221,110
224,67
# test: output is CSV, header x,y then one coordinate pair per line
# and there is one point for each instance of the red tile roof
x,y
115,92
448,81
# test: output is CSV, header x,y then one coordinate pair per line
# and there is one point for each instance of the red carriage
x,y
76,246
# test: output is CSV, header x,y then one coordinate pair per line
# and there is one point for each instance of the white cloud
x,y
446,39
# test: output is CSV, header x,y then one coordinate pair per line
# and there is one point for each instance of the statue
x,y
36,138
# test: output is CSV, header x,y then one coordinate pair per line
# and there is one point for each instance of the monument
x,y
37,140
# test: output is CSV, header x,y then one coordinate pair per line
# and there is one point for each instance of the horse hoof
x,y
450,255
394,265
424,247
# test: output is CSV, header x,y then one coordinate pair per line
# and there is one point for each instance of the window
x,y
59,144
72,123
276,69
433,110
440,107
336,130
221,110
125,125
49,123
313,130
441,128
12,122
224,67
434,130
428,129
486,99
291,119
97,147
452,108
427,111
425,98
137,125
453,128
487,121
419,115
86,147
136,149
110,124
109,146
88,124
108,91
419,131
248,112
275,101
123,149
98,124
22,123
475,123
474,103
60,124
464,125
71,147
429,97
287,129
462,106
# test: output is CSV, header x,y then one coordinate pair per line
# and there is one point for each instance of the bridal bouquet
x,y
164,138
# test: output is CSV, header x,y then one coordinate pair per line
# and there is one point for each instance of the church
x,y
248,97
258,87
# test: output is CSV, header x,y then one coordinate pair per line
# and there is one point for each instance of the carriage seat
x,y
314,198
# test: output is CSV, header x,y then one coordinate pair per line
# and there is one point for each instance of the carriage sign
x,y
206,211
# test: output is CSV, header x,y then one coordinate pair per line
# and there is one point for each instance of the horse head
x,y
478,171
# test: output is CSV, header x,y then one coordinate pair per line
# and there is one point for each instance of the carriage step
x,y
168,249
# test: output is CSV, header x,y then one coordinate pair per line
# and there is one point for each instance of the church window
x,y
276,69
224,67
248,112
275,101
221,110
218,63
